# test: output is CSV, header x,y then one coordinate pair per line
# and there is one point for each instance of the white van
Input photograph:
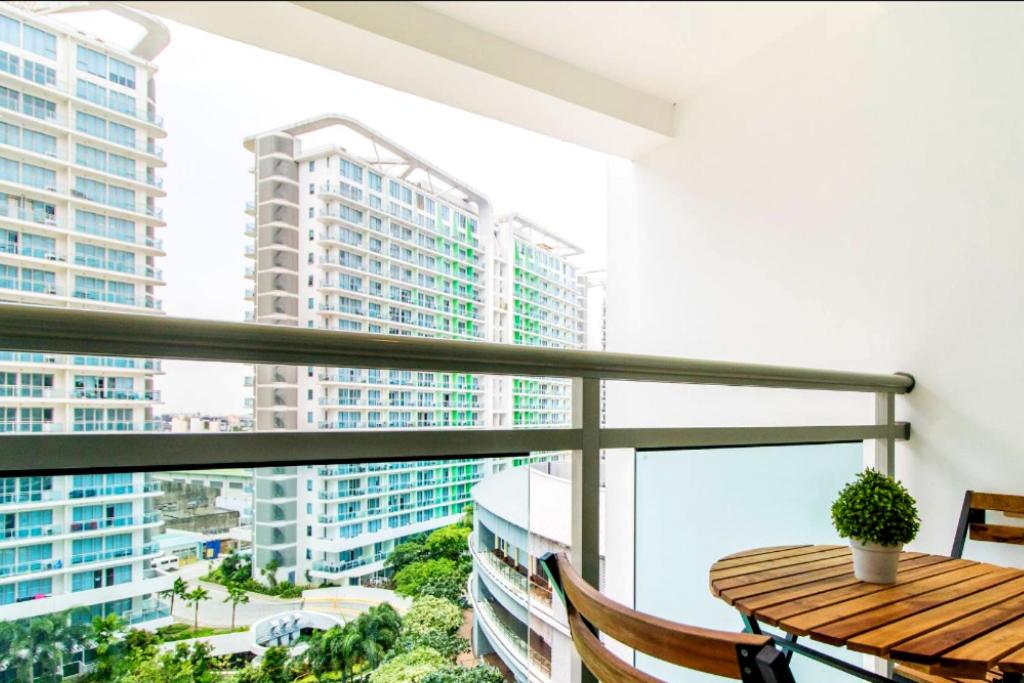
x,y
166,563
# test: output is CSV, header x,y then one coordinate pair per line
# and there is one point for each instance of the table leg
x,y
789,653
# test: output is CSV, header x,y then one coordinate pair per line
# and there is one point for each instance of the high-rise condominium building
x,y
379,240
78,220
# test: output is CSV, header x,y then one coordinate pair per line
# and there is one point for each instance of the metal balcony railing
x,y
53,330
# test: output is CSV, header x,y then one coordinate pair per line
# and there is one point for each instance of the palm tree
x,y
375,633
194,597
236,596
103,635
178,590
46,642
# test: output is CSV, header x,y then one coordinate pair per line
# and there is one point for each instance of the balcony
x,y
119,299
116,554
455,452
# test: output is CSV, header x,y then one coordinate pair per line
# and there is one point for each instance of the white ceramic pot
x,y
874,563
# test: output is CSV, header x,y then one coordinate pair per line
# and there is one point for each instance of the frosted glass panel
x,y
696,506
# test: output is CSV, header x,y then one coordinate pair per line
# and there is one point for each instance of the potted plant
x,y
879,516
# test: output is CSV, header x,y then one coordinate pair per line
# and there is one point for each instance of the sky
x,y
213,92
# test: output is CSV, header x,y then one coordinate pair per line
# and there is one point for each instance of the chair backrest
x,y
740,656
973,522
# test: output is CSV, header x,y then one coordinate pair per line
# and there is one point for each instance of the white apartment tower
x,y
78,221
366,236
540,299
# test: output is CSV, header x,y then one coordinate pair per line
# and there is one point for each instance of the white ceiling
x,y
664,49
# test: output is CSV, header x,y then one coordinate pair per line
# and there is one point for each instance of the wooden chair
x,y
973,524
739,656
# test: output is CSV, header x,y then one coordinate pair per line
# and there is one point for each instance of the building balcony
x,y
104,525
147,301
147,488
118,395
337,189
328,567
148,550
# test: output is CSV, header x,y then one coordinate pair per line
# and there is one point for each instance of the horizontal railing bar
x,y
726,437
55,454
47,329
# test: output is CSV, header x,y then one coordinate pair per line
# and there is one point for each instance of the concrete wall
x,y
850,198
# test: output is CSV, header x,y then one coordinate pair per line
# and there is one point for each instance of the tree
x,y
449,645
193,598
178,590
235,568
467,516
270,570
432,615
410,579
336,650
45,642
409,667
405,554
236,596
451,587
274,667
451,542
184,664
482,673
378,629
104,635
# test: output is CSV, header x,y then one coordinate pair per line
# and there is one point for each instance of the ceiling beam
x,y
405,46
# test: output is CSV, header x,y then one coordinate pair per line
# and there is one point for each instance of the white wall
x,y
853,198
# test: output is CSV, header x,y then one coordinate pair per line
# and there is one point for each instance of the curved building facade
x,y
519,515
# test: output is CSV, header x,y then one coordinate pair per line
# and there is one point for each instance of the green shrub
x,y
432,615
411,578
409,667
876,509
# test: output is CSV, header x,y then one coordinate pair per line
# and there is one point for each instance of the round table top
x,y
953,617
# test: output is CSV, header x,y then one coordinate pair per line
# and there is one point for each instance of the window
x,y
92,190
37,176
40,73
351,171
376,182
38,107
312,165
122,73
40,42
122,166
10,30
34,588
91,61
93,125
122,135
121,197
91,92
10,99
9,62
10,170
91,157
42,143
122,102
121,229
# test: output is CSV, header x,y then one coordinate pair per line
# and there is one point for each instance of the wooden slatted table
x,y
949,617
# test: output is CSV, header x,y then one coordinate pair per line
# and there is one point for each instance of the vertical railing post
x,y
885,448
586,493
884,462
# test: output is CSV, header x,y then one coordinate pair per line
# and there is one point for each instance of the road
x,y
217,613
